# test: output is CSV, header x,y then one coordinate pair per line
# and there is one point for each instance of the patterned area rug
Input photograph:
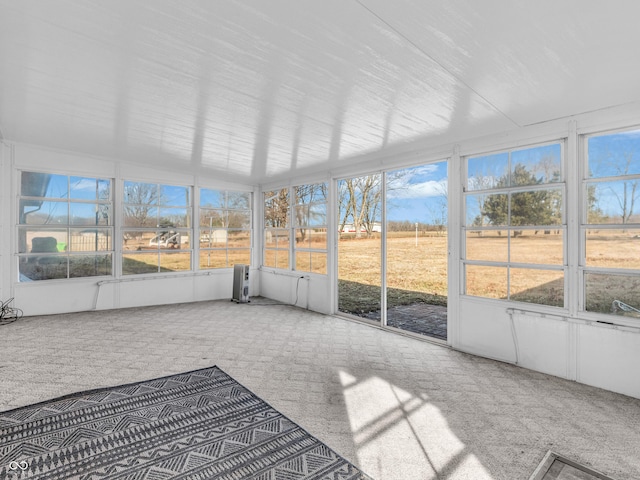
x,y
196,425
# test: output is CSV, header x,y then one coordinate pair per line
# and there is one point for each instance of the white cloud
x,y
430,188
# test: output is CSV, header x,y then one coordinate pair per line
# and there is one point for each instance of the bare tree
x,y
307,197
621,164
140,199
360,199
276,208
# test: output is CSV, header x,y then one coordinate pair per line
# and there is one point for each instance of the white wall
x,y
5,208
302,289
585,351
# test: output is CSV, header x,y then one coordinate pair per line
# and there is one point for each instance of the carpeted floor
x,y
195,425
396,407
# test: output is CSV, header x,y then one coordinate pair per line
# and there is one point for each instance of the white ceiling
x,y
254,90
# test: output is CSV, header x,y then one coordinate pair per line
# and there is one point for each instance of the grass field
x,y
414,274
419,273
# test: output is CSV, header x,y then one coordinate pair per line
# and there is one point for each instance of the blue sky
x,y
612,155
418,194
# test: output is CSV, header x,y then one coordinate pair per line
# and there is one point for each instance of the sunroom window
x,y
277,243
65,226
310,228
225,228
611,224
156,230
514,227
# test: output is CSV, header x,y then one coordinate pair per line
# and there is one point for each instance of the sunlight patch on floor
x,y
387,419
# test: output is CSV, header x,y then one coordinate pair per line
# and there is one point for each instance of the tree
x,y
276,208
306,196
621,164
140,199
627,198
531,207
360,200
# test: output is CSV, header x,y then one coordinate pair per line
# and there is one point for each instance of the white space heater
x,y
240,283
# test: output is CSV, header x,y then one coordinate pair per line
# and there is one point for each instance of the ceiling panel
x,y
253,90
534,61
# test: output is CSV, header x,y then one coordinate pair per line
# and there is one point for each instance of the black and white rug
x,y
196,425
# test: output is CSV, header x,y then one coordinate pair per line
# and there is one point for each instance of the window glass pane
x,y
536,207
215,238
319,263
89,214
303,239
613,294
239,200
44,267
317,238
174,196
614,155
537,246
89,265
239,257
282,259
39,212
311,215
270,258
276,208
488,282
140,216
536,165
613,202
239,239
544,287
90,240
138,240
35,184
303,261
138,263
174,217
42,241
170,239
213,259
490,245
311,193
212,198
175,261
282,238
138,193
239,219
613,248
270,238
489,171
213,218
487,210
89,188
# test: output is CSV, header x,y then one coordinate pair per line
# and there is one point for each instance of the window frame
x,y
291,247
586,181
297,248
508,264
171,243
226,209
68,227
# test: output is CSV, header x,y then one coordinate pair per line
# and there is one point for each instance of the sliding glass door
x,y
416,249
395,271
359,246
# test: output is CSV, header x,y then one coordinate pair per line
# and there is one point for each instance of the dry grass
x,y
419,273
415,274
